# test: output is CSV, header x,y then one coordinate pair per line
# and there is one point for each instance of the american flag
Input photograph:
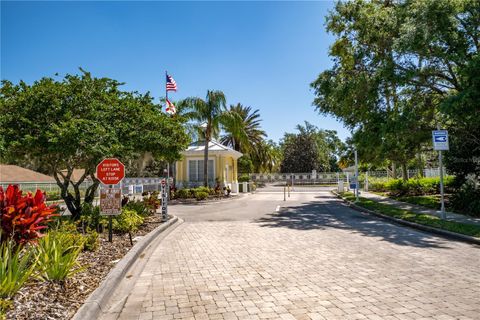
x,y
170,107
171,84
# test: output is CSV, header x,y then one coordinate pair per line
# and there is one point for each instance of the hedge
x,y
411,187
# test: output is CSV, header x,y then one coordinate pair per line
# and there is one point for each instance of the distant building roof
x,y
77,174
16,174
214,147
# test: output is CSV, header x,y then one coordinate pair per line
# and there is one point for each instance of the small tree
x,y
76,122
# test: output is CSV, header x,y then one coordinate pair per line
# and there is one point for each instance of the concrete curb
x,y
99,298
441,232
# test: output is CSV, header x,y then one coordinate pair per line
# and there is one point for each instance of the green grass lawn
x,y
431,201
424,219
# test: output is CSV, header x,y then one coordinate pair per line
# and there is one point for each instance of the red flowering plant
x,y
22,217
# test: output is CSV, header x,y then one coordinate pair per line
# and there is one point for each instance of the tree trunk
x,y
394,170
404,171
72,203
91,190
420,164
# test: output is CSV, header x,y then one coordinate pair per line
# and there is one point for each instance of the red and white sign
x,y
163,182
110,171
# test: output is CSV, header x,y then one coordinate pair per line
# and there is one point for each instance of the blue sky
x,y
261,54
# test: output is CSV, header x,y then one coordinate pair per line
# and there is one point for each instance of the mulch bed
x,y
48,300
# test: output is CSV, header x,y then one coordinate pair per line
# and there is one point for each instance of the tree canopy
x,y
62,125
402,68
310,149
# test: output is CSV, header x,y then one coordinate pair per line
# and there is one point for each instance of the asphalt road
x,y
310,257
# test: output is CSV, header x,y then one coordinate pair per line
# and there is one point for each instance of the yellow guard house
x,y
222,166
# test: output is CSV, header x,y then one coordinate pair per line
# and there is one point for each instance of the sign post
x,y
110,205
440,143
110,172
164,193
356,176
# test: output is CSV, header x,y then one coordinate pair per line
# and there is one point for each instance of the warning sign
x,y
110,202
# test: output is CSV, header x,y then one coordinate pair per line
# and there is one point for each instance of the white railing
x,y
128,185
334,177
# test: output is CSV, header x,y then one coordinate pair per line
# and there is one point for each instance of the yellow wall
x,y
220,162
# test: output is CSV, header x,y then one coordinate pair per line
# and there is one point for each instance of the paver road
x,y
313,259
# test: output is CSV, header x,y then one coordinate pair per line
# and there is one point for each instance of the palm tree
x,y
210,114
244,136
267,157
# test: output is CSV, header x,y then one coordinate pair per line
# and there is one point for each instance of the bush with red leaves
x,y
23,217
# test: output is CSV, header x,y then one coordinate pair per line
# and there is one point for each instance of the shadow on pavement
x,y
331,213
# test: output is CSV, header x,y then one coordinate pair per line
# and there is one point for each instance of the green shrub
x,y
92,241
201,195
5,305
53,195
69,233
91,218
69,239
183,193
56,257
244,178
411,187
202,189
467,199
127,221
16,266
138,206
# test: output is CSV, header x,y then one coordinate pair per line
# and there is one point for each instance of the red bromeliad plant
x,y
23,217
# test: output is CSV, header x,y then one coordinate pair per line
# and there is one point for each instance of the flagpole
x,y
166,99
166,90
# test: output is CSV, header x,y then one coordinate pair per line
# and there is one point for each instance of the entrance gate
x,y
298,182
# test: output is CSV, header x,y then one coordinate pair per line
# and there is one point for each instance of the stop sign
x,y
110,171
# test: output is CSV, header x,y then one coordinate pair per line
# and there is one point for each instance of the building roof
x,y
77,174
16,174
214,147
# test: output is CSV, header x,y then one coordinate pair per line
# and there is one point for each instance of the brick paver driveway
x,y
314,259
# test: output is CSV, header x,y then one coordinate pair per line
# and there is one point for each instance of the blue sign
x,y
353,186
440,139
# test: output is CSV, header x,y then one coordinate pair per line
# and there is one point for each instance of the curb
x,y
441,232
92,307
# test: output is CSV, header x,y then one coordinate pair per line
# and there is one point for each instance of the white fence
x,y
128,185
44,186
334,177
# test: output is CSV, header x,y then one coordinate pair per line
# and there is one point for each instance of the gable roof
x,y
16,174
214,147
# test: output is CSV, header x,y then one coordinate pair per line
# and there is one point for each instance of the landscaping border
x,y
99,298
193,201
444,233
